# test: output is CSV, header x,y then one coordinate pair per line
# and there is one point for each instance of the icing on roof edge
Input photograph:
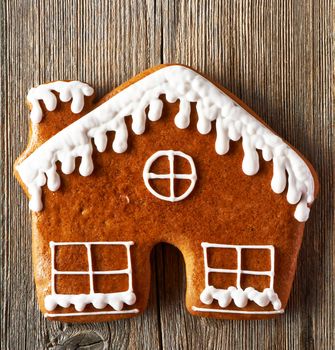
x,y
176,82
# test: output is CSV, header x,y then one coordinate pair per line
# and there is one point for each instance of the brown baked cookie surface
x,y
169,156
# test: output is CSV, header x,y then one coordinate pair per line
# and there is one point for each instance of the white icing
x,y
176,82
92,313
147,175
98,300
74,90
225,311
236,293
240,297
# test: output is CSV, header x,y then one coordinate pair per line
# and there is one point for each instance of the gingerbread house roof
x,y
232,122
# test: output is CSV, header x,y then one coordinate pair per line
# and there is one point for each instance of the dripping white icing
x,y
240,297
237,294
177,83
98,300
74,90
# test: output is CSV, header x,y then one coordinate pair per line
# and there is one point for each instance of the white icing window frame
x,y
236,293
238,271
99,300
90,271
170,154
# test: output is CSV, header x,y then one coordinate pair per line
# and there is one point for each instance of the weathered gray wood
x,y
275,55
103,43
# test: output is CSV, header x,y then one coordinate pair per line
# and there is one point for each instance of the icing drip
x,y
98,300
240,297
177,83
74,90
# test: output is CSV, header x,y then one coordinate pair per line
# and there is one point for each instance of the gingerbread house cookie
x,y
169,156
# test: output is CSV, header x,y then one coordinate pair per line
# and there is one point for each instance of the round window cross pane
x,y
171,176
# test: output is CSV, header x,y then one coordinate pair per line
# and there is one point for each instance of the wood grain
x,y
275,55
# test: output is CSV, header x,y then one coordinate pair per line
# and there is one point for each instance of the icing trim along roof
x,y
177,83
67,90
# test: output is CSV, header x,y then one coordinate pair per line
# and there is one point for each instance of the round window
x,y
171,176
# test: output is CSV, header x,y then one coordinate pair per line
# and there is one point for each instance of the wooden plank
x,y
103,43
276,56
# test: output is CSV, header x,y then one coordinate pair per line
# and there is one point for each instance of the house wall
x,y
113,204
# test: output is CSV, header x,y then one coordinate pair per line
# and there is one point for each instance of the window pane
x,y
222,258
109,257
71,258
257,282
256,259
222,280
72,284
110,283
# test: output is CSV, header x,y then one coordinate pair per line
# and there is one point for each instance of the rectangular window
x,y
239,271
91,272
96,298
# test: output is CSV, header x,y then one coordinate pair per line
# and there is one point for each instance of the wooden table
x,y
276,55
